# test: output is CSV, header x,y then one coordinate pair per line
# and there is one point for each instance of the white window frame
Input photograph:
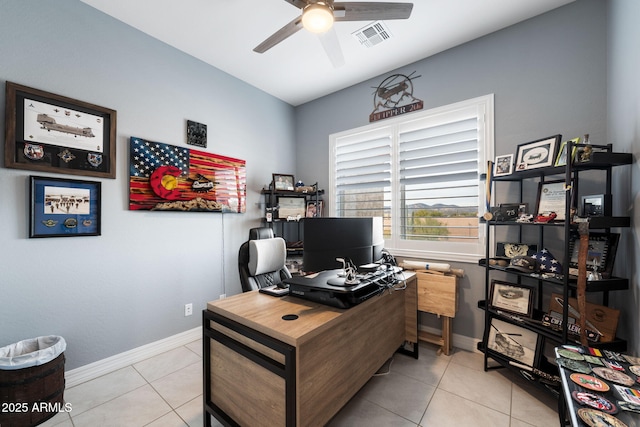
x,y
432,250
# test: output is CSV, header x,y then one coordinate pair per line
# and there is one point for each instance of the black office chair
x,y
261,260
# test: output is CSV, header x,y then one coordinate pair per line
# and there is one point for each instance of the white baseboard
x,y
458,341
119,361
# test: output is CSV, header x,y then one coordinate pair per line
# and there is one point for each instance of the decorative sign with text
x,y
393,97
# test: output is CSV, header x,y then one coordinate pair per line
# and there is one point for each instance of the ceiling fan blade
x,y
288,30
331,45
300,4
369,11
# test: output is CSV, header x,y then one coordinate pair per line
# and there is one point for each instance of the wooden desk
x,y
263,370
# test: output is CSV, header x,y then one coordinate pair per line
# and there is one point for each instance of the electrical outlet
x,y
223,296
188,309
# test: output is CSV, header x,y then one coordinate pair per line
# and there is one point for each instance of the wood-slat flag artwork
x,y
171,178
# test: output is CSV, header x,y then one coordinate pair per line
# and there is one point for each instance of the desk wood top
x,y
264,313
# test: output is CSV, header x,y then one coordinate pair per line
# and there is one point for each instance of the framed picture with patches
x,y
64,207
53,133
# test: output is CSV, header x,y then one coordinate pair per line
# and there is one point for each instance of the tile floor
x,y
436,390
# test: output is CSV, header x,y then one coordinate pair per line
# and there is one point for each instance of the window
x,y
422,173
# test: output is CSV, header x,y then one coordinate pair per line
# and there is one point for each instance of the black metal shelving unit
x,y
290,231
542,372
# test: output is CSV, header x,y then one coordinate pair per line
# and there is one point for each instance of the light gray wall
x,y
624,132
548,75
126,288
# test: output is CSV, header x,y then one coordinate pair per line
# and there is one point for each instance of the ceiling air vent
x,y
373,34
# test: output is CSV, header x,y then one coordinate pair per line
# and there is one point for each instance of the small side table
x,y
438,294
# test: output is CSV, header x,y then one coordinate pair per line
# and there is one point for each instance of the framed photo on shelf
x,y
552,198
561,158
64,207
512,298
503,165
283,182
537,154
513,342
313,210
592,205
601,254
53,133
291,207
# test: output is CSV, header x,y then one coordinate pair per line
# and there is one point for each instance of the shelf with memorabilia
x,y
526,286
285,207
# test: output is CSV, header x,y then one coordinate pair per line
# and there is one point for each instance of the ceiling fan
x,y
319,16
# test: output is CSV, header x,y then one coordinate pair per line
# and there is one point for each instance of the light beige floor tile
x,y
180,386
196,347
158,366
449,410
399,394
486,388
533,406
517,423
136,408
170,420
100,390
61,419
469,359
429,368
192,412
362,413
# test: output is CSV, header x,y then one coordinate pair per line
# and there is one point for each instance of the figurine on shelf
x,y
594,274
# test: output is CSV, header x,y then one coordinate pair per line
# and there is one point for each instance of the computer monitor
x,y
325,239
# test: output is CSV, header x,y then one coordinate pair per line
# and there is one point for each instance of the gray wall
x,y
548,75
126,288
624,132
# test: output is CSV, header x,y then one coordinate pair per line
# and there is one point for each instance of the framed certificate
x,y
552,198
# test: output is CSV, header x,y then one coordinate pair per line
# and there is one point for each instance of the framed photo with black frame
x,y
601,253
513,342
52,133
537,154
511,298
283,182
64,207
592,205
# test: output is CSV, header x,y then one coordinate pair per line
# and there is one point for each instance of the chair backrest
x,y
261,260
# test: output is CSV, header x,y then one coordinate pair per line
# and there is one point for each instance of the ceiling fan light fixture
x,y
317,17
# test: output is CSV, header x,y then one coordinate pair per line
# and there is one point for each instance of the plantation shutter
x,y
363,175
438,176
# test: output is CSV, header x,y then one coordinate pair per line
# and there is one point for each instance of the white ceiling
x,y
223,33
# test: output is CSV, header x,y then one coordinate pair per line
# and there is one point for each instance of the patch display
x,y
595,401
575,365
589,382
613,376
595,418
570,354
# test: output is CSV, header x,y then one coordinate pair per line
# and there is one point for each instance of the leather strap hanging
x,y
583,229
